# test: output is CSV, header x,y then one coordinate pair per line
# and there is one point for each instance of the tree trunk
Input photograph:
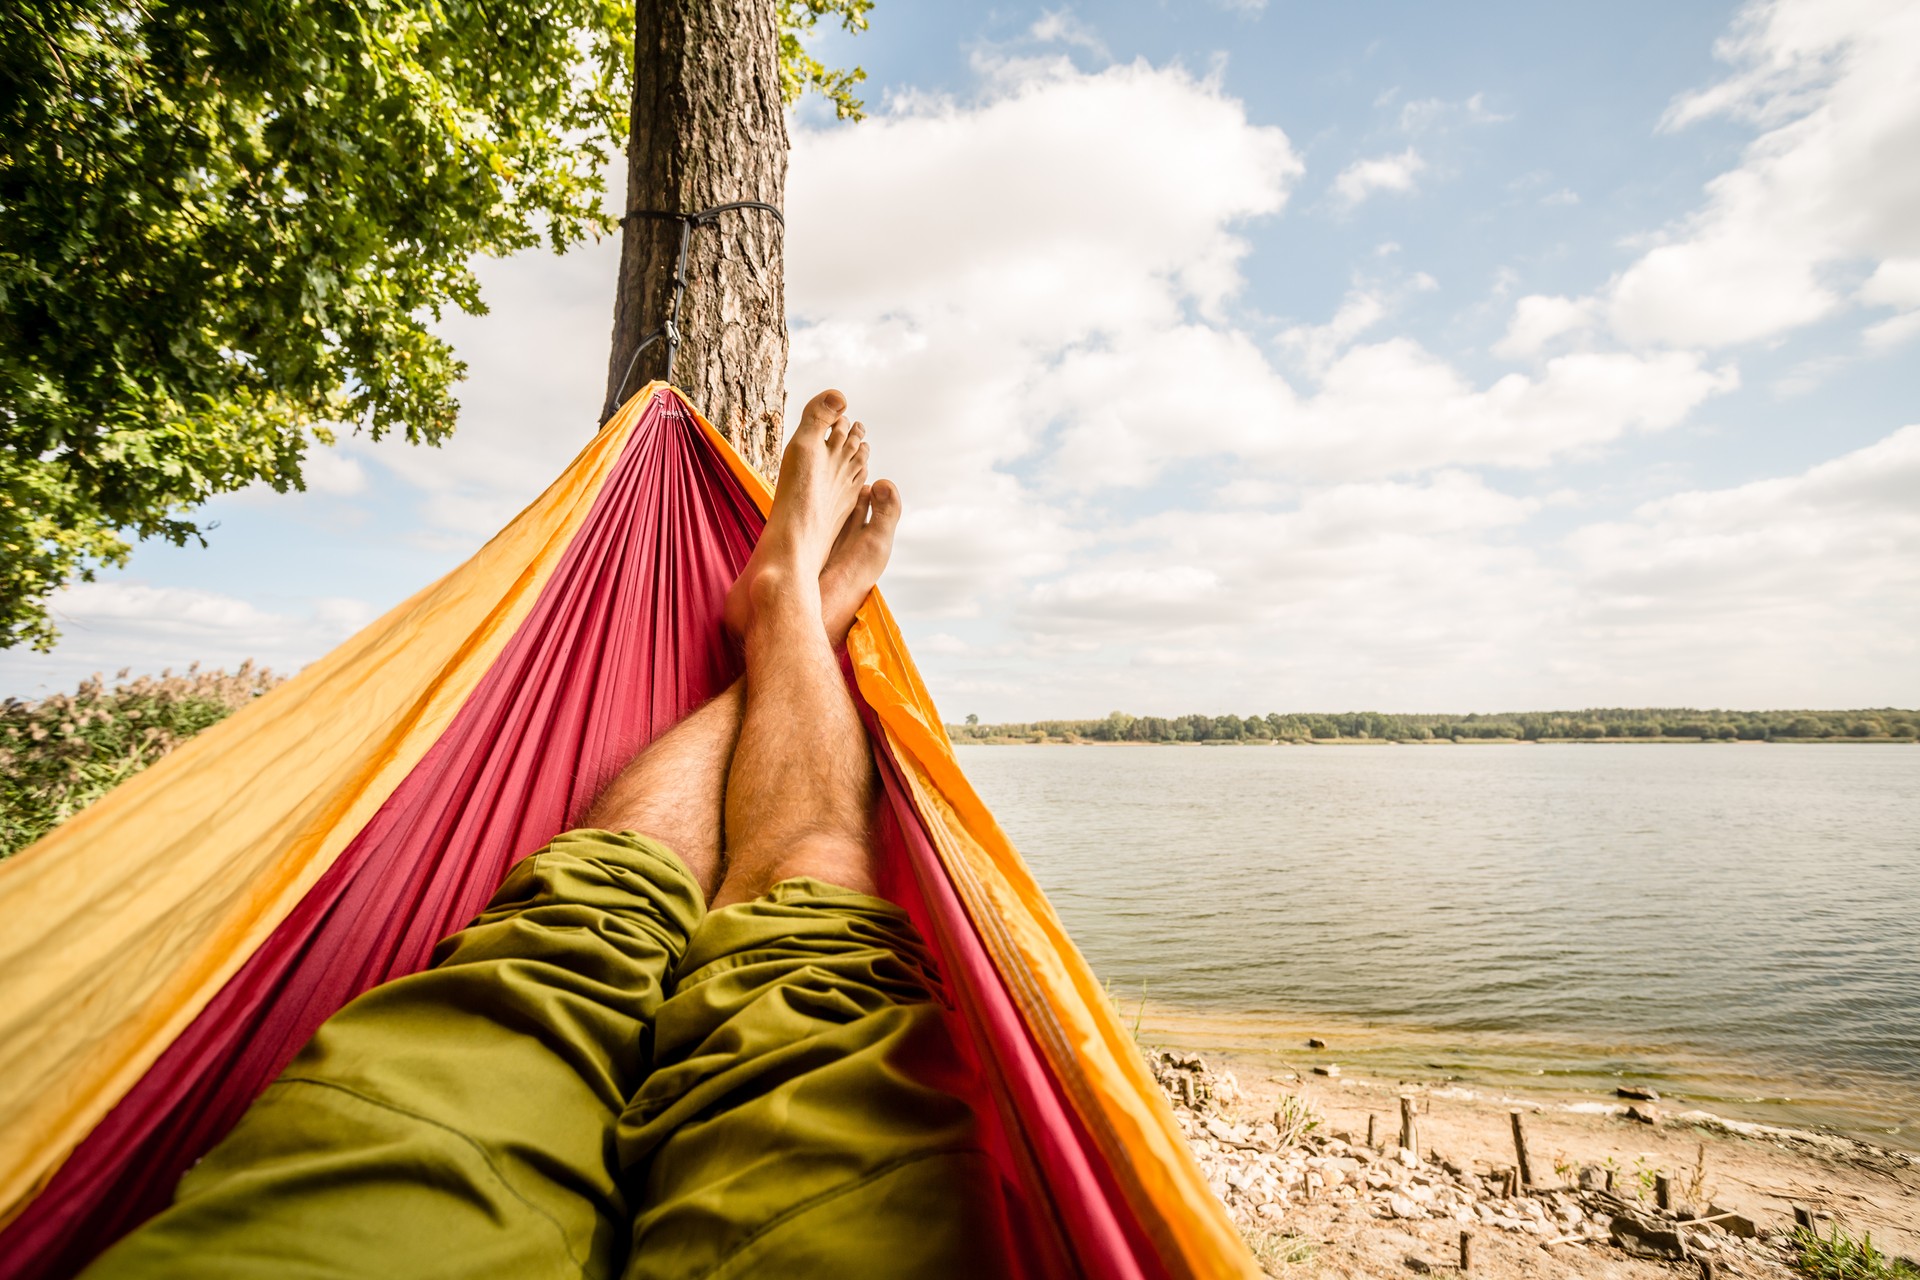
x,y
709,128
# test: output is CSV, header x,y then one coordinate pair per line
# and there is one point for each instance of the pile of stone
x,y
1264,1169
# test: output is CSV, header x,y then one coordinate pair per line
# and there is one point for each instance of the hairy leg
x,y
802,784
674,789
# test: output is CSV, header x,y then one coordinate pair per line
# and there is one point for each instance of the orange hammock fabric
x,y
165,952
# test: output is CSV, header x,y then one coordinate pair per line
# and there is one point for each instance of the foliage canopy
x,y
227,229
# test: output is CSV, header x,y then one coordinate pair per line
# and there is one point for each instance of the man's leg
x,y
673,791
802,1119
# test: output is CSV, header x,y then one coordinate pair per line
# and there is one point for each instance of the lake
x,y
1737,923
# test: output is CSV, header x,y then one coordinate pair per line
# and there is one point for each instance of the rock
x,y
1404,1208
1644,1115
1642,1239
1734,1224
1406,1157
1637,1093
1331,1069
1315,1043
1420,1266
1592,1178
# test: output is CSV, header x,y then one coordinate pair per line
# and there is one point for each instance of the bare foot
x,y
821,475
859,556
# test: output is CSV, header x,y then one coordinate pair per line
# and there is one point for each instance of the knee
x,y
835,858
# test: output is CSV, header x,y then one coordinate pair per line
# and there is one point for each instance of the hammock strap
x,y
669,329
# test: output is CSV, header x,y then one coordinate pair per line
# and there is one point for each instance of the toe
x,y
857,518
886,507
820,414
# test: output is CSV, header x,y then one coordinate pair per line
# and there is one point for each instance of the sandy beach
x,y
1325,1201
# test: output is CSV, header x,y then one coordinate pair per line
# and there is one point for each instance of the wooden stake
x,y
1520,1151
1466,1252
1370,1139
1663,1191
1803,1217
1409,1131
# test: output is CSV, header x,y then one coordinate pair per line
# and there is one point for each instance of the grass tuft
x,y
1838,1256
1278,1250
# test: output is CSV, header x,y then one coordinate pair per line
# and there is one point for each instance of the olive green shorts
x,y
601,1078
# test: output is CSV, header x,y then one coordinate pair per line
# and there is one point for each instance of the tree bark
x,y
709,128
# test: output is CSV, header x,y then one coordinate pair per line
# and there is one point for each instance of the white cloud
x,y
1060,26
1893,332
103,623
1829,183
1538,319
1807,586
335,474
1423,114
1364,178
1412,584
1802,590
1316,345
1894,283
945,253
1383,408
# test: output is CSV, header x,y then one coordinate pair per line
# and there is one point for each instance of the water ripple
x,y
1754,908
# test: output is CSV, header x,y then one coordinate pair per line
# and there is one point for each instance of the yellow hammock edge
x,y
104,964
1063,1003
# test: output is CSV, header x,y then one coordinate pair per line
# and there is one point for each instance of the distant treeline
x,y
1595,724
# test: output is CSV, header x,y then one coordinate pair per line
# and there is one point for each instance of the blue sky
x,y
1271,357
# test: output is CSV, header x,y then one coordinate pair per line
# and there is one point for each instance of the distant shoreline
x,y
1076,741
1591,724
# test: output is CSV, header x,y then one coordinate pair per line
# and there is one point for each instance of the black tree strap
x,y
669,331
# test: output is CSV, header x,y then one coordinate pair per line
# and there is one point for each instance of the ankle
x,y
777,590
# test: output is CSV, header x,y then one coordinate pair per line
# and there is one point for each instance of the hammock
x,y
167,951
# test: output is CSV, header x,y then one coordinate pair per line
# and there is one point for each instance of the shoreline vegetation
x,y
1594,725
60,753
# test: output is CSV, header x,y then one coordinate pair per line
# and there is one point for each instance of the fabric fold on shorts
x,y
459,1121
802,1118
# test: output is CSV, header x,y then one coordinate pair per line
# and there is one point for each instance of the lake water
x,y
1739,924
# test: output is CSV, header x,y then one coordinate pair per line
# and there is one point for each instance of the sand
x,y
1384,1216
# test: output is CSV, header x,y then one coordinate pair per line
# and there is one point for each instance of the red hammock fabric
x,y
624,640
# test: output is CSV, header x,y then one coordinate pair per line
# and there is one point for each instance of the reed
x,y
60,754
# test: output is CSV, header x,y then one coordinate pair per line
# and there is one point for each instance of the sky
x,y
1251,357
